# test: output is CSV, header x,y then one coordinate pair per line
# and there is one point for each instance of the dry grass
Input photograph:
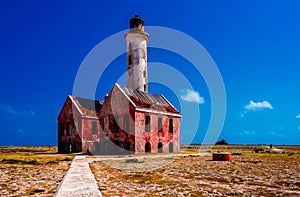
x,y
233,148
27,171
245,175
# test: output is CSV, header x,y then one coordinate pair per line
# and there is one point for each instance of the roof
x,y
150,101
141,100
87,106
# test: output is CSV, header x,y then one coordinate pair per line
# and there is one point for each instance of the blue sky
x,y
255,44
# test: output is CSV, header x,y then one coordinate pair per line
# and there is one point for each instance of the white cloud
x,y
298,116
299,128
275,133
11,110
258,106
192,96
247,132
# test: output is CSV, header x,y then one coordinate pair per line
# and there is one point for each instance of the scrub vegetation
x,y
31,171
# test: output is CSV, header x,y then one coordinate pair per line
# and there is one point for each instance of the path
x,y
79,180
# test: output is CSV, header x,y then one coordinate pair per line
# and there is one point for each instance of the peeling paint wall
x,y
137,72
117,110
120,128
81,129
69,117
154,136
117,105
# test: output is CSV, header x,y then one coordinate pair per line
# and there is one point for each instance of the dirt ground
x,y
28,171
248,174
37,171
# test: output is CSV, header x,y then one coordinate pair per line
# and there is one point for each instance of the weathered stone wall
x,y
115,108
154,136
89,140
120,129
137,72
69,115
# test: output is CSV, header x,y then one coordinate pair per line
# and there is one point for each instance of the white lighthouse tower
x,y
137,71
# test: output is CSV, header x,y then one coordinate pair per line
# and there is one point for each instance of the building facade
x,y
129,120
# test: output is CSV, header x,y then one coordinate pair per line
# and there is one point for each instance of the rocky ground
x,y
248,174
35,171
31,172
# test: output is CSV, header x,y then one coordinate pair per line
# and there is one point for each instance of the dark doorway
x,y
171,150
148,147
160,147
127,145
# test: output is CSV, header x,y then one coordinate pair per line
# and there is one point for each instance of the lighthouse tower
x,y
137,72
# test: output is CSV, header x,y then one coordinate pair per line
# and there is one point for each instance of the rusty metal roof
x,y
147,100
141,99
150,98
88,106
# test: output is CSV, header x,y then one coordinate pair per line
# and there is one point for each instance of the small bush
x,y
36,191
139,175
32,162
67,159
133,161
236,194
169,158
15,161
222,142
259,150
11,161
236,153
52,162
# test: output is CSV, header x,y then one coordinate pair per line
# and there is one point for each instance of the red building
x,y
130,120
78,124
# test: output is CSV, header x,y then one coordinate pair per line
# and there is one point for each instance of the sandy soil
x,y
244,175
26,180
31,171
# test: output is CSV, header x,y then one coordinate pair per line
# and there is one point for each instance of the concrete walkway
x,y
79,180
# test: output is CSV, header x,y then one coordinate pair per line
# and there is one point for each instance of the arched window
x,y
160,147
127,145
148,147
171,148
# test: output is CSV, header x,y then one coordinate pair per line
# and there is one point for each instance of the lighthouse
x,y
130,120
137,71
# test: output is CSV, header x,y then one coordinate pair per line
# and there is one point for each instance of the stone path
x,y
79,180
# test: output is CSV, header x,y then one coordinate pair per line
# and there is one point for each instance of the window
x,y
127,145
115,124
62,129
171,147
129,60
69,129
148,147
145,88
94,128
130,46
147,123
159,125
160,147
170,125
126,123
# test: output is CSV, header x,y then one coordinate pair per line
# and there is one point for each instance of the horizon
x,y
264,144
254,45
